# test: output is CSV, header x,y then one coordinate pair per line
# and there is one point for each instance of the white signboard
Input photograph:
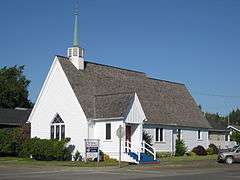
x,y
92,149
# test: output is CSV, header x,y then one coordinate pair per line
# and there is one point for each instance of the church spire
x,y
75,53
75,30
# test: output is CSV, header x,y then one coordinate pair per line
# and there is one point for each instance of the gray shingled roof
x,y
105,91
113,105
13,116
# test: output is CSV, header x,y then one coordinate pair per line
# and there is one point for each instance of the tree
x,y
11,141
234,117
236,137
213,116
181,149
14,88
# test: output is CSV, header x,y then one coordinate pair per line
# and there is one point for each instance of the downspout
x,y
173,143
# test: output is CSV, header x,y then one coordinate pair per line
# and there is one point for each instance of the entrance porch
x,y
135,149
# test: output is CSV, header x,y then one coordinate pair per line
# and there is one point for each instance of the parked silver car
x,y
230,156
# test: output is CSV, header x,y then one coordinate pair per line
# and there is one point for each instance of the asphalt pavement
x,y
65,173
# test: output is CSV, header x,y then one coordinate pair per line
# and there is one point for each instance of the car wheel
x,y
229,160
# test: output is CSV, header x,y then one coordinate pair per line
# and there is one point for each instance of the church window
x,y
179,134
57,131
57,128
159,135
62,132
199,135
108,131
52,132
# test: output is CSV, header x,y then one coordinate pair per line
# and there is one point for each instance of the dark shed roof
x,y
106,91
218,125
14,116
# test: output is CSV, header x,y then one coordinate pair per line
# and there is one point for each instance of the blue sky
x,y
196,42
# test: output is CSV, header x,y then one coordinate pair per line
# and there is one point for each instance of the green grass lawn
x,y
183,160
32,162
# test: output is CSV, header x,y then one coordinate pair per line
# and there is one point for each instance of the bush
x,y
235,137
11,141
190,153
103,156
147,138
77,156
210,151
181,149
200,151
47,150
163,154
213,148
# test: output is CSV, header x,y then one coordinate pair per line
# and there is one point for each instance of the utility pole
x,y
228,119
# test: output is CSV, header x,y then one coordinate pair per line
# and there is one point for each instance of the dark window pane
x,y
161,134
57,132
108,131
62,132
199,134
226,137
52,132
157,134
57,119
179,134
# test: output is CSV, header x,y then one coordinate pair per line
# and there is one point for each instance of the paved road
x,y
40,173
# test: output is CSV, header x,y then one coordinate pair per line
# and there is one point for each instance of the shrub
x,y
210,151
44,149
77,156
214,148
103,156
190,153
235,137
181,149
200,151
147,137
163,154
11,141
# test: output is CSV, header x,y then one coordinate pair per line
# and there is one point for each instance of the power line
x,y
215,95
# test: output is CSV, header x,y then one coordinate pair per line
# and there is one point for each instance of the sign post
x,y
120,134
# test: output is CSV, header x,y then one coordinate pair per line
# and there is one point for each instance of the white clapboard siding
x,y
57,96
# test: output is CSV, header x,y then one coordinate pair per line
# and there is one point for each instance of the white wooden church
x,y
86,100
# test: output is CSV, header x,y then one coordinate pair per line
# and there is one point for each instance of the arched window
x,y
57,128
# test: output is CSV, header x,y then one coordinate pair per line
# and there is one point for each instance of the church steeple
x,y
75,53
75,32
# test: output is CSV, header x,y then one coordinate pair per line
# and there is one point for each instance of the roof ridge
x,y
111,66
172,82
120,68
110,94
16,109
